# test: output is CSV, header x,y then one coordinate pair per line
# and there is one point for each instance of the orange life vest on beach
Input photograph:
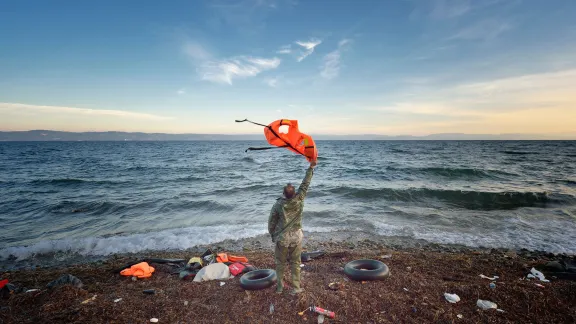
x,y
225,257
140,270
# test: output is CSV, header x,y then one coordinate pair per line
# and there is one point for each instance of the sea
x,y
61,199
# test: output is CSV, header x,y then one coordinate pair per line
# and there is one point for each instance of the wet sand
x,y
414,293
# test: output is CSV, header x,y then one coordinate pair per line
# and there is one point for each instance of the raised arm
x,y
303,189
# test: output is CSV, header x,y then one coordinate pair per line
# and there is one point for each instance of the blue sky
x,y
339,67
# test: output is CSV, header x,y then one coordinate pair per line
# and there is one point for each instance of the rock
x,y
66,279
511,255
554,266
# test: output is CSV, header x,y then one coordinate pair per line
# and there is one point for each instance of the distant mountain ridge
x,y
49,135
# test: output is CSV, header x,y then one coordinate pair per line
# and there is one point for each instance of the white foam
x,y
182,238
537,236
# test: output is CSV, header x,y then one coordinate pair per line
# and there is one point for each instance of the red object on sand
x,y
3,283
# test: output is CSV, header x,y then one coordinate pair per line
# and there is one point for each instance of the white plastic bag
x,y
537,274
486,304
453,298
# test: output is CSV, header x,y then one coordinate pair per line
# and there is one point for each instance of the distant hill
x,y
48,135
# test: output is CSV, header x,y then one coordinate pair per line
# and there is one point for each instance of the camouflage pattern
x,y
288,254
285,228
286,215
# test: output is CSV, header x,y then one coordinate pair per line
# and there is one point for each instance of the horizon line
x,y
568,136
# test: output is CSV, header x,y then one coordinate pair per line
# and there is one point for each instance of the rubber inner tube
x,y
366,269
258,279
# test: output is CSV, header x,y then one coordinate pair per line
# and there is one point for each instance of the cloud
x,y
286,49
439,9
272,82
308,47
224,71
445,9
482,30
181,92
331,66
25,109
246,17
535,103
452,9
196,51
331,62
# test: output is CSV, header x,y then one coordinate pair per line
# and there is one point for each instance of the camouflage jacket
x,y
285,221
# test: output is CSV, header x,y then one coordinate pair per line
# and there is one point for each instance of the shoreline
x,y
312,241
414,292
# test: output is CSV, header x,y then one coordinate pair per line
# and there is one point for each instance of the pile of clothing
x,y
215,266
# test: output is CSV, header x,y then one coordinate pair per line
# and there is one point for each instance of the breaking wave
x,y
457,198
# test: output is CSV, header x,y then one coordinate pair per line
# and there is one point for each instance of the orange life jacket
x,y
225,257
140,270
285,133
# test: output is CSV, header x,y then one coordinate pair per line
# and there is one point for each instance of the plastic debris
x,y
537,274
117,300
492,285
452,298
486,304
387,256
405,289
485,277
222,284
32,290
304,311
460,316
302,266
500,310
154,320
185,303
271,308
89,299
334,285
539,285
149,291
320,318
323,311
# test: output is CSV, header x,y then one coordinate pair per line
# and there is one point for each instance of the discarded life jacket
x,y
140,270
225,257
237,268
3,283
285,133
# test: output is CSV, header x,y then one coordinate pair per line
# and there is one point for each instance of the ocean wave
x,y
71,181
456,172
519,152
567,181
187,179
181,238
194,205
248,159
458,198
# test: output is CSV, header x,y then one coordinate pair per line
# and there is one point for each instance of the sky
x,y
391,67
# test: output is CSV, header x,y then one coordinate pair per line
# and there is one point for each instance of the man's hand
x,y
313,163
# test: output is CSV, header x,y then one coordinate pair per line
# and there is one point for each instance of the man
x,y
285,227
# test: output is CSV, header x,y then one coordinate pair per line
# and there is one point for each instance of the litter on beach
x,y
485,277
486,304
537,274
452,298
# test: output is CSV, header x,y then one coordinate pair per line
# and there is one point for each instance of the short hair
x,y
289,191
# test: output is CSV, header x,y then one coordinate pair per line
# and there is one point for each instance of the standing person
x,y
285,228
